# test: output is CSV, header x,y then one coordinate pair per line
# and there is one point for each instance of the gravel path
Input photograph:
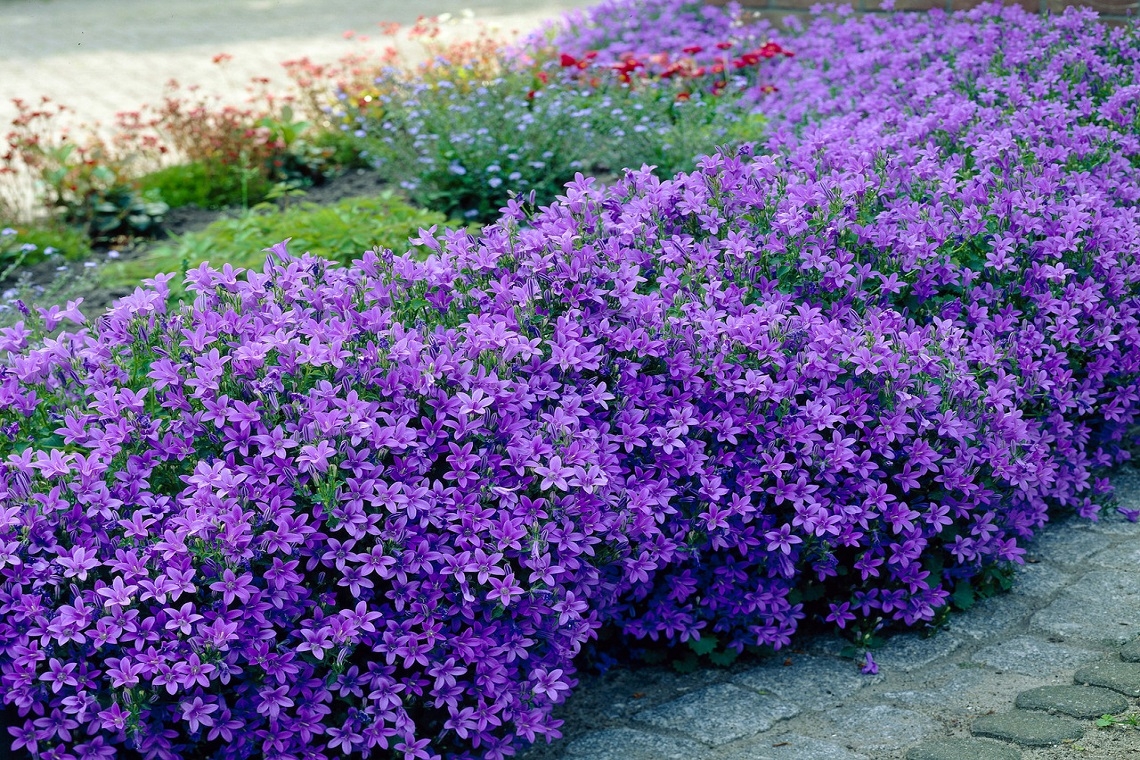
x,y
105,56
1021,675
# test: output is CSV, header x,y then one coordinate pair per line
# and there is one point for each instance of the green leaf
x,y
704,645
687,663
963,596
724,657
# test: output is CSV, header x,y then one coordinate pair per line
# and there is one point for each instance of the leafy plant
x,y
339,232
85,182
1131,720
210,185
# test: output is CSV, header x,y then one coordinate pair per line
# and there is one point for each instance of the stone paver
x,y
994,614
881,727
627,744
1074,701
1121,557
794,747
815,683
910,651
1039,581
1029,729
1071,544
1034,657
952,688
719,714
1123,677
1131,651
1103,606
963,749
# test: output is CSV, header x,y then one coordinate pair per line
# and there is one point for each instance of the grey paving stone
x,y
1075,701
992,616
813,683
793,747
1069,543
825,646
627,744
1114,524
1131,651
963,749
909,651
719,714
881,728
953,688
1118,676
1038,581
1125,556
1103,606
1031,656
974,690
1029,729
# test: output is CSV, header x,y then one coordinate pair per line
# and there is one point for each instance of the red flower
x,y
692,49
568,60
723,45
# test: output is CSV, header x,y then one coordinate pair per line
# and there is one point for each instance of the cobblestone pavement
x,y
104,56
1022,675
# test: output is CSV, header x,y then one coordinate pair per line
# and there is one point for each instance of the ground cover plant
x,y
838,375
483,120
338,232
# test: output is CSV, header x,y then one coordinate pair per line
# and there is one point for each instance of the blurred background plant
x,y
479,122
342,232
77,177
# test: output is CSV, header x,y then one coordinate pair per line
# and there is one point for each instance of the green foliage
x,y
206,184
31,243
1109,721
343,150
119,212
341,232
463,149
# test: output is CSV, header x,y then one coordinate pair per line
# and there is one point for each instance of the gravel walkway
x,y
1022,675
104,56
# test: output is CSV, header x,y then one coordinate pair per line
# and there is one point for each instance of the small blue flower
x,y
7,231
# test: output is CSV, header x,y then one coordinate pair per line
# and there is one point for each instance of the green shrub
x,y
463,149
341,232
206,184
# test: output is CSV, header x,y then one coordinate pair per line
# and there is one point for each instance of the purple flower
x,y
197,712
232,586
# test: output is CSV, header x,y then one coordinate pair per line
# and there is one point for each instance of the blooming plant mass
x,y
836,374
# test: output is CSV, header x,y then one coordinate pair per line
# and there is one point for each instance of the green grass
x,y
340,232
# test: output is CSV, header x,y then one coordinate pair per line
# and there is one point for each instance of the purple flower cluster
x,y
321,510
327,510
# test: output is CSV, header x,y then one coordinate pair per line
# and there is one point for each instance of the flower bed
x,y
837,375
